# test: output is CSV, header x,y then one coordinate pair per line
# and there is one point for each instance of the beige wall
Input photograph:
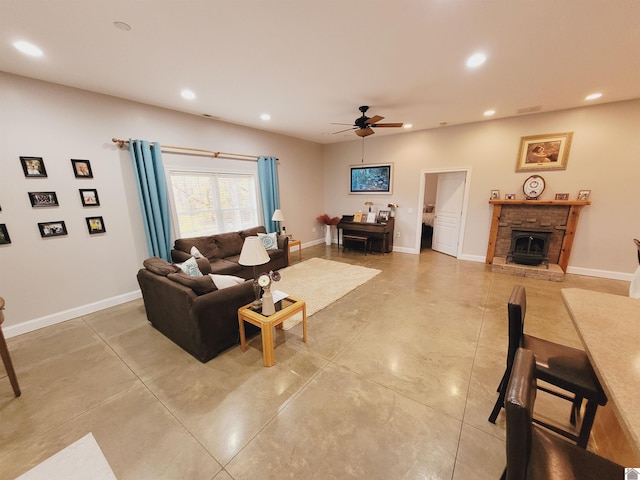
x,y
45,281
604,157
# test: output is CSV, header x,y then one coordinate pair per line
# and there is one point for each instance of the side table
x,y
293,243
285,308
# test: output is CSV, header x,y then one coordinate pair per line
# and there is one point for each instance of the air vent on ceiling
x,y
537,108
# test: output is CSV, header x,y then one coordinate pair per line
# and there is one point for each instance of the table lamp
x,y
252,254
278,217
369,204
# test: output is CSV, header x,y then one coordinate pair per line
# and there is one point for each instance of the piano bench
x,y
355,238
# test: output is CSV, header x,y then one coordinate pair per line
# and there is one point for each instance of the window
x,y
206,203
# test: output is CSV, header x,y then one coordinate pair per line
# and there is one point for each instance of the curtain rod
x,y
198,151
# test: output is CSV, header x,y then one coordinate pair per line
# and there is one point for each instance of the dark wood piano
x,y
380,234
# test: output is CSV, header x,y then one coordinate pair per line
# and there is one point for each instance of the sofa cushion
x,y
200,285
190,267
206,245
253,232
225,267
269,240
159,266
225,281
229,244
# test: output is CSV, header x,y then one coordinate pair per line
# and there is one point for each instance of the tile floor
x,y
396,382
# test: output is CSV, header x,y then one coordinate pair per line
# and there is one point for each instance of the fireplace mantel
x,y
567,242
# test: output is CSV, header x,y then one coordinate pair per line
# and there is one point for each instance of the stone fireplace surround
x,y
558,216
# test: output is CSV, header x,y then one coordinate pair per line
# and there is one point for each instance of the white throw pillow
x,y
195,253
269,240
225,281
190,267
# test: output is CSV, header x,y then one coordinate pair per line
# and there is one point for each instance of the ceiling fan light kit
x,y
364,126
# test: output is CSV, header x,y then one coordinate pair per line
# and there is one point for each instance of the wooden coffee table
x,y
285,308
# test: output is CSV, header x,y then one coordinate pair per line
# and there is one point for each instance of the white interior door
x,y
446,227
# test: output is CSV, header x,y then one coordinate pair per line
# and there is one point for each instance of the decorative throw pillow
x,y
225,281
269,240
190,267
200,285
195,253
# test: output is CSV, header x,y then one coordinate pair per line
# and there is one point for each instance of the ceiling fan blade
x,y
374,119
387,125
334,123
345,130
364,132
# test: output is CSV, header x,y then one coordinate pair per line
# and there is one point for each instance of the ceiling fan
x,y
364,125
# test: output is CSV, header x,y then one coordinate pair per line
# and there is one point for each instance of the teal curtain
x,y
268,179
153,196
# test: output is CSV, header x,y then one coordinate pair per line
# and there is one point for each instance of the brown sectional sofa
x,y
191,311
199,318
223,251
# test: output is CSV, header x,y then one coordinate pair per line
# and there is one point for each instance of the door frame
x,y
465,202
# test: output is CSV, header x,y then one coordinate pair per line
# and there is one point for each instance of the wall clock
x,y
533,187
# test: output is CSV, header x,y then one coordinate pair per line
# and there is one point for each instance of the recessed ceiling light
x,y
187,94
488,113
593,96
122,25
476,60
28,48
265,117
407,125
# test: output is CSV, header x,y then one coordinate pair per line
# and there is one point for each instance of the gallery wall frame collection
x,y
4,235
34,167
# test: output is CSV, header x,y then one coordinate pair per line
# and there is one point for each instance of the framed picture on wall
x,y
33,167
43,199
371,179
4,235
95,225
52,229
82,168
89,197
544,152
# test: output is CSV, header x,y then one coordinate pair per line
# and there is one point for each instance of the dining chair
x,y
534,453
6,358
564,367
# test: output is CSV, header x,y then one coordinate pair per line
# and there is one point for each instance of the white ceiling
x,y
310,63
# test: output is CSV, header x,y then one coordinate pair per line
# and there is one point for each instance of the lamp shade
x,y
253,252
277,216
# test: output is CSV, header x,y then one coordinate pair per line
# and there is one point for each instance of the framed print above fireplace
x,y
544,152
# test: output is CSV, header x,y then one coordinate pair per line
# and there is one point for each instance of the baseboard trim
x,y
591,272
59,317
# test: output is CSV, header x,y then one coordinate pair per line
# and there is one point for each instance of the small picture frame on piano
x,y
358,216
371,217
383,216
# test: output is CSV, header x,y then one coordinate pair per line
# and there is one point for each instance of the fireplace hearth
x,y
529,247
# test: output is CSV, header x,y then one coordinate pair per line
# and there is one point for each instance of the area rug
x,y
81,460
320,282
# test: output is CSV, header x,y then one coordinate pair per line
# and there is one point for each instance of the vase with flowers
x,y
393,207
265,280
327,221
